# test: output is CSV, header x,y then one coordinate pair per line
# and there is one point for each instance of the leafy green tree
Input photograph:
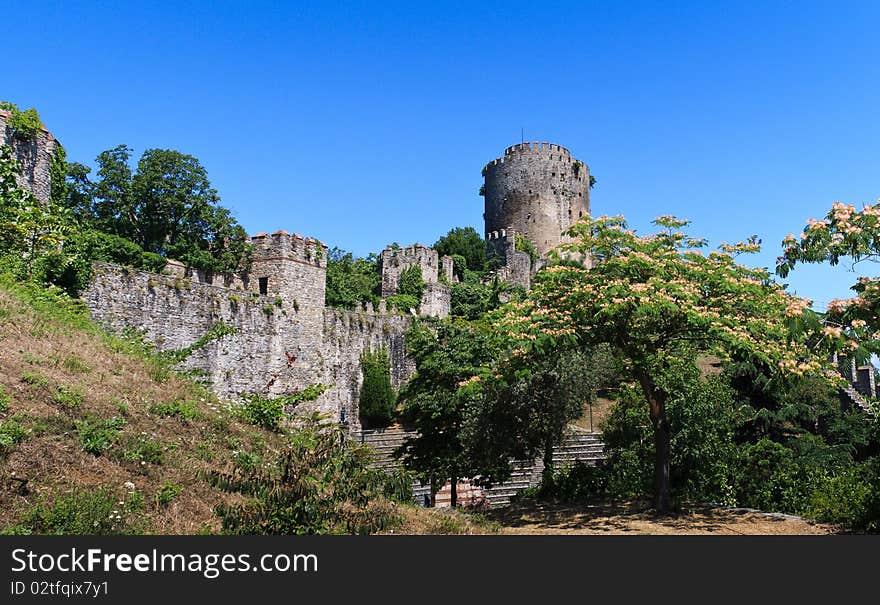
x,y
466,242
351,280
411,283
447,356
658,301
527,407
167,207
377,398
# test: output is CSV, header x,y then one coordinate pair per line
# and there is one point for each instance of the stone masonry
x,y
537,190
34,156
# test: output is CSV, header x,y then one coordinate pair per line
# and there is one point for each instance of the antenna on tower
x,y
522,136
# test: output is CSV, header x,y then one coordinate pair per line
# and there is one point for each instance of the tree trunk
x,y
657,408
453,492
547,474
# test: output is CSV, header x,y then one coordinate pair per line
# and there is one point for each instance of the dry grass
x,y
57,374
631,518
413,520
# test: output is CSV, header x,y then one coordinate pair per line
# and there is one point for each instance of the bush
x,y
702,419
11,434
97,435
321,483
403,303
92,512
184,409
377,398
269,412
411,283
168,493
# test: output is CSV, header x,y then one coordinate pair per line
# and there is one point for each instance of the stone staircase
x,y
579,445
858,400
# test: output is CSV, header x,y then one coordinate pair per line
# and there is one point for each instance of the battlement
x,y
547,151
500,235
284,245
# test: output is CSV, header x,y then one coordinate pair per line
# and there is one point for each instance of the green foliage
x,y
168,493
377,398
5,398
470,301
447,355
464,242
218,331
403,303
184,409
321,483
524,244
92,512
97,435
24,124
12,432
269,412
143,449
702,418
411,283
351,280
70,398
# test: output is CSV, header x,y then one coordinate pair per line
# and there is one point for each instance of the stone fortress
x,y
285,338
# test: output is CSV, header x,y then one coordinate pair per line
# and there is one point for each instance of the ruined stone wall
x,y
288,344
538,190
515,266
394,261
34,156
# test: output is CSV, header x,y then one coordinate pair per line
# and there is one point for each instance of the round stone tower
x,y
537,190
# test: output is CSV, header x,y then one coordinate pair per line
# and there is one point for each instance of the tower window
x,y
264,285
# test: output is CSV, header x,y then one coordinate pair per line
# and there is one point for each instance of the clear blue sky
x,y
366,123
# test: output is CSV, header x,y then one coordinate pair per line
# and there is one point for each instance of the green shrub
x,y
269,412
5,398
24,124
411,282
90,512
181,408
70,398
143,449
35,379
97,435
75,365
377,398
168,493
402,303
321,483
12,432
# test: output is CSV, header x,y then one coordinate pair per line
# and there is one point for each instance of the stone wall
x,y
281,345
515,266
437,298
34,156
538,190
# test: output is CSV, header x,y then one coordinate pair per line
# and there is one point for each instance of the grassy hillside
x,y
86,416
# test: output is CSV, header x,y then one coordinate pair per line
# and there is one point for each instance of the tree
x,y
167,207
377,398
527,406
658,301
853,324
351,280
466,242
448,355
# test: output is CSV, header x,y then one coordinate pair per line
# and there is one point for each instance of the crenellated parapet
x,y
289,246
539,190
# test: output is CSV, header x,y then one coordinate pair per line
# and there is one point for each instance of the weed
x,y
168,493
70,398
182,408
97,435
